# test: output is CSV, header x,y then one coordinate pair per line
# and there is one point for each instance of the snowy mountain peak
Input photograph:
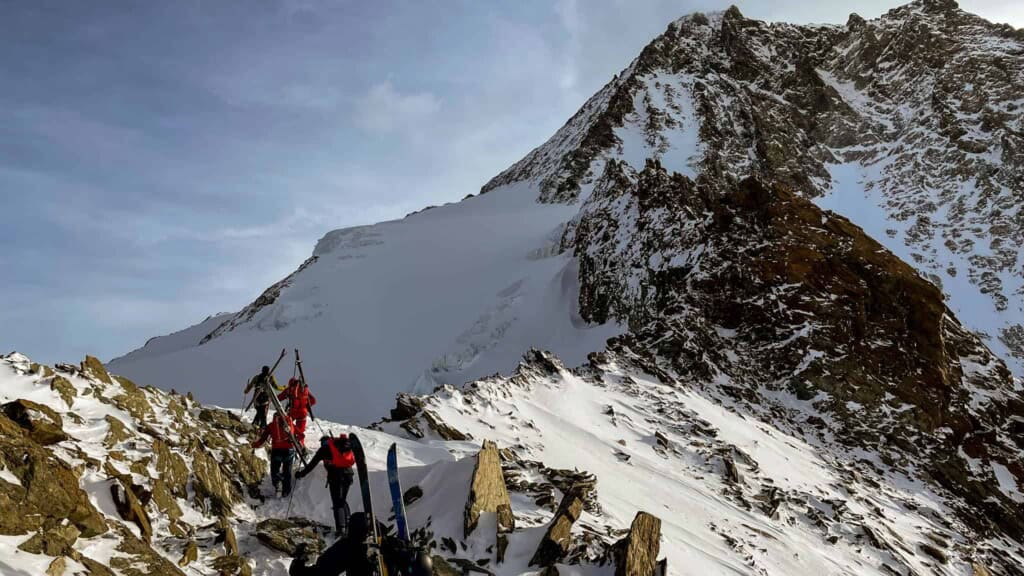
x,y
813,232
910,124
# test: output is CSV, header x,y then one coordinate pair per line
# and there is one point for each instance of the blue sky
x,y
162,161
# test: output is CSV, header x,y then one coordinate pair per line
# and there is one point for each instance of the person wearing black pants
x,y
336,454
281,453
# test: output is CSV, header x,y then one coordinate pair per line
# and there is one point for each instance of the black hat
x,y
265,369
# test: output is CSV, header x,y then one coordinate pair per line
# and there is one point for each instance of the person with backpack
x,y
282,453
300,404
260,400
355,555
336,454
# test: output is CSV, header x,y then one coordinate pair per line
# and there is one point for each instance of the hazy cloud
x,y
383,110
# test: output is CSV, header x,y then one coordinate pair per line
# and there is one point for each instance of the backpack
x,y
341,457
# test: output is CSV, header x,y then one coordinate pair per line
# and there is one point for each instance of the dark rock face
x,y
734,271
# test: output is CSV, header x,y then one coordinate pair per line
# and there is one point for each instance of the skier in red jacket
x,y
282,453
300,402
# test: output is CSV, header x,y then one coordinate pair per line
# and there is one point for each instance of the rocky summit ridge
x,y
913,119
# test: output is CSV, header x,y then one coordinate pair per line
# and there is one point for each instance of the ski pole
x,y
290,496
315,421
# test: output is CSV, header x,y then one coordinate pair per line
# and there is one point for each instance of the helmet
x,y
265,370
293,381
422,564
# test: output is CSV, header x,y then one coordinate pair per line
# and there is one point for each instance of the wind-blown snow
x,y
445,295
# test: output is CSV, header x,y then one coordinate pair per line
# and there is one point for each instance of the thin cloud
x,y
384,110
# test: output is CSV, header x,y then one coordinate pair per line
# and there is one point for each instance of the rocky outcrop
x,y
126,495
116,433
287,535
214,492
133,400
137,558
43,425
558,537
93,368
759,261
172,469
637,553
487,492
190,555
48,491
56,541
67,392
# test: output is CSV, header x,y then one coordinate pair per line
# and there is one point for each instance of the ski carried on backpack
x,y
397,503
255,393
364,488
269,391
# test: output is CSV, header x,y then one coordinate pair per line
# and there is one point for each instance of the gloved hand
x,y
300,474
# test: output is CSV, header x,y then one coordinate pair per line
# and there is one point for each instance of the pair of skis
x,y
272,394
397,503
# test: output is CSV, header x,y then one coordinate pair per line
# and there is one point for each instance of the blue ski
x,y
396,494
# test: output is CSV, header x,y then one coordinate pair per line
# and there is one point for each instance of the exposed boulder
x,y
443,429
251,468
287,535
57,567
165,501
63,387
56,541
137,558
229,565
133,400
487,492
637,553
406,406
412,495
190,555
443,568
230,540
117,432
49,489
91,366
214,492
225,421
558,538
172,468
41,422
128,505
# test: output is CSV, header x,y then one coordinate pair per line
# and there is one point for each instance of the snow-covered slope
x,y
737,493
442,296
